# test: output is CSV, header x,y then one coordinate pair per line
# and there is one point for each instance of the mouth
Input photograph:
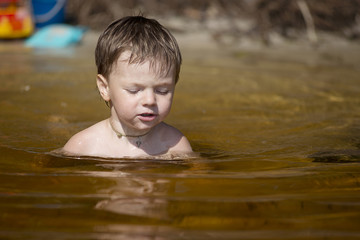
x,y
147,114
147,117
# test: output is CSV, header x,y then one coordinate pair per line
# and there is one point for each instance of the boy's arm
x,y
87,141
78,144
180,143
73,146
183,146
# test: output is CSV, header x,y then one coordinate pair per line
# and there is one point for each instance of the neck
x,y
119,134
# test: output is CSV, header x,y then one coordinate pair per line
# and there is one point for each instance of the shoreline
x,y
331,49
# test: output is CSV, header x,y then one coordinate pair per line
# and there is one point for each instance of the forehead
x,y
137,64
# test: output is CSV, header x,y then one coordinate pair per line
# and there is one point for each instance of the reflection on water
x,y
278,144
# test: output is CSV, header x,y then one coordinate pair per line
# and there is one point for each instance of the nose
x,y
149,97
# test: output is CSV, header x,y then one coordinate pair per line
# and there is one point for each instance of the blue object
x,y
48,12
56,36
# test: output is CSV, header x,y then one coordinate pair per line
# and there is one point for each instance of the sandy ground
x,y
330,50
199,42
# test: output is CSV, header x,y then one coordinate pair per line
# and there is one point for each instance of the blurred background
x,y
226,21
234,18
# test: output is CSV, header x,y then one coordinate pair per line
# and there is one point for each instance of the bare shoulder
x,y
85,141
177,141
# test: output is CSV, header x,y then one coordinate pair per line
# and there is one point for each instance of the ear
x,y
103,86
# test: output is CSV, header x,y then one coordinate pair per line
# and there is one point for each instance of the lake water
x,y
278,142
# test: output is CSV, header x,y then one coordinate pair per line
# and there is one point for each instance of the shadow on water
x,y
338,156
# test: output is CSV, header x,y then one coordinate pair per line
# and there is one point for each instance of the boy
x,y
138,62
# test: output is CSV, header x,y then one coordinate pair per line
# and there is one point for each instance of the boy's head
x,y
145,39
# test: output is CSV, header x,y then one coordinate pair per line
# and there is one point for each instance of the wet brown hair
x,y
146,39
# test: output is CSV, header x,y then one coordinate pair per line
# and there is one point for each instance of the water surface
x,y
278,142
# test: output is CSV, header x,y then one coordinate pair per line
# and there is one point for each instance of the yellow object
x,y
15,19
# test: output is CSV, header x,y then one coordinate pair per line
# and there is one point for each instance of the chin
x,y
148,125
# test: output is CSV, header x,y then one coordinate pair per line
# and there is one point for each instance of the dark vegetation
x,y
286,17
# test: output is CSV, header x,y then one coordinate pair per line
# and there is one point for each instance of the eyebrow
x,y
139,85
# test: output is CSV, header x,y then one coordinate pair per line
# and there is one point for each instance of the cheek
x,y
166,103
123,103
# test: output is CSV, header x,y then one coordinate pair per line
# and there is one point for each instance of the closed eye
x,y
132,91
162,91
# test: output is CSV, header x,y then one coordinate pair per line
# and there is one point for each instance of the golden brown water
x,y
278,143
